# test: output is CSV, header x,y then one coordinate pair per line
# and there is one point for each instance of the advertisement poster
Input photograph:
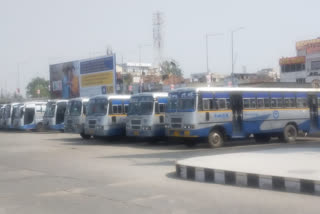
x,y
97,76
64,80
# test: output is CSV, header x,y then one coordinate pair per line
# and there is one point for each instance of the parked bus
x,y
219,114
9,111
75,116
2,116
54,115
29,116
146,115
106,115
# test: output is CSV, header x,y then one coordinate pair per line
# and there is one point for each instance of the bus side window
x,y
221,103
260,103
114,109
161,107
280,102
246,103
228,103
274,103
206,104
120,109
266,102
253,103
126,107
301,102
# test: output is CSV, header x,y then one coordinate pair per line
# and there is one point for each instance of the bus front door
x,y
237,114
313,107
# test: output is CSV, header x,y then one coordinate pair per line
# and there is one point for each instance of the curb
x,y
248,180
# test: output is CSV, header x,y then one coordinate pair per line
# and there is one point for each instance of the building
x,y
305,67
207,78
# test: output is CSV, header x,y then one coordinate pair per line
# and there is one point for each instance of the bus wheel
x,y
262,138
290,134
215,139
85,136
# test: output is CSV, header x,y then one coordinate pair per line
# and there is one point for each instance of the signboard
x,y
64,80
292,60
97,76
307,43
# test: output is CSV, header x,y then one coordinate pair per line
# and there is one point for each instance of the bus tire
x,y
289,134
215,139
85,136
262,138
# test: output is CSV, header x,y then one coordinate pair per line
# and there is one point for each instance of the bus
x,y
2,116
54,115
75,116
146,115
219,114
106,115
29,116
9,111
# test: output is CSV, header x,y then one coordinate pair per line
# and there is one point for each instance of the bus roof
x,y
111,96
153,94
82,99
246,89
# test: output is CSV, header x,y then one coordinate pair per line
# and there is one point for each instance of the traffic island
x,y
285,169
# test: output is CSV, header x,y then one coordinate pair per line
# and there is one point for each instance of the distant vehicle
x,y
10,110
29,116
54,115
146,115
2,116
219,114
106,115
75,116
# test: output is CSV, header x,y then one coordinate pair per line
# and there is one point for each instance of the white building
x,y
305,67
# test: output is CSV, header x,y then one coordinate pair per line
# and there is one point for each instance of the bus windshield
x,y
182,101
97,106
141,105
74,108
50,110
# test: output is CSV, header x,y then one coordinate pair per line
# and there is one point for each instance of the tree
x,y
170,67
36,84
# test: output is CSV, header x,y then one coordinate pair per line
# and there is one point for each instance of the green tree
x,y
170,67
36,84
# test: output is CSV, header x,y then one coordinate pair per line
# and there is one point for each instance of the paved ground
x,y
293,162
60,173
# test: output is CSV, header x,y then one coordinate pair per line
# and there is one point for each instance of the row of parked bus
x,y
214,113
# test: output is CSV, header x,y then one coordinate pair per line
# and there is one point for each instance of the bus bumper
x,y
181,133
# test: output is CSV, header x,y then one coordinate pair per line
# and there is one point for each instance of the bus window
x,y
252,103
266,102
228,103
126,107
116,109
206,104
260,103
289,102
221,103
161,107
280,102
301,102
246,103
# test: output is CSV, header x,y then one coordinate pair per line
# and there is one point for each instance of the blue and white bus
x,y
219,114
146,115
75,116
2,116
29,116
9,112
54,115
106,115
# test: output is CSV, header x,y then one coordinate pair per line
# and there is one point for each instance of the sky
x,y
36,33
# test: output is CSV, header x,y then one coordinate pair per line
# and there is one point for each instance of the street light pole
x,y
207,49
232,60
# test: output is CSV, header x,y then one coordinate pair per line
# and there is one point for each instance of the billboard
x,y
97,76
83,78
64,80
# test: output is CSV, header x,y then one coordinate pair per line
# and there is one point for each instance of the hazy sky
x,y
36,33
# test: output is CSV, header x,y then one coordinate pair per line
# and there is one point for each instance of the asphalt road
x,y
61,173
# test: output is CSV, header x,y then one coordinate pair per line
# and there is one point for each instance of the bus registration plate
x,y
136,133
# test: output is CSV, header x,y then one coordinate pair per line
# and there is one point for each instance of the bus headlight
x,y
189,126
147,128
